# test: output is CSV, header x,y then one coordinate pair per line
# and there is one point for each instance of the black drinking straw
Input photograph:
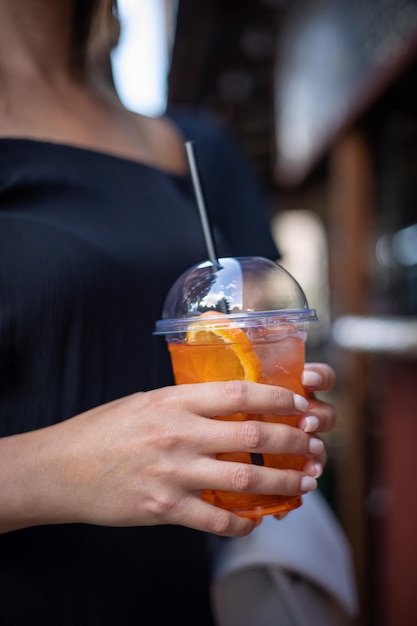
x,y
257,459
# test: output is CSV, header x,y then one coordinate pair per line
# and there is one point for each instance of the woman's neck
x,y
35,39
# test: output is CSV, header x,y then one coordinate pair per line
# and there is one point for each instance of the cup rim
x,y
244,319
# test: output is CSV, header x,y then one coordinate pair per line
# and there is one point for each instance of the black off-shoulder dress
x,y
89,245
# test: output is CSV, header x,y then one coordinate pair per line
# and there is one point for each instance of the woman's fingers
x,y
248,478
254,436
320,417
215,436
314,466
211,519
318,377
235,396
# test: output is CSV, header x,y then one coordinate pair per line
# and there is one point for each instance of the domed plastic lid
x,y
250,290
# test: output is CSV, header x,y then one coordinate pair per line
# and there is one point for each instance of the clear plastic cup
x,y
245,319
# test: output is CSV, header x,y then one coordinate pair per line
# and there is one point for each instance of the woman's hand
x,y
320,416
145,459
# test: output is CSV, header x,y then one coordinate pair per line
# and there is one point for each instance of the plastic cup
x,y
245,319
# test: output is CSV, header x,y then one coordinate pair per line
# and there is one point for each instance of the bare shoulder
x,y
163,140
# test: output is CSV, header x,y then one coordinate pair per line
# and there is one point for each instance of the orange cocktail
x,y
272,355
242,318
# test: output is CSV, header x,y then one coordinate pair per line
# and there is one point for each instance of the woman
x,y
101,473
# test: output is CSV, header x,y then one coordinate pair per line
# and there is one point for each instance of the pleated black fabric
x,y
89,245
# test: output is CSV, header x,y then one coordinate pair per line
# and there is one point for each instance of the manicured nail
x,y
308,483
300,403
315,446
312,424
311,379
319,469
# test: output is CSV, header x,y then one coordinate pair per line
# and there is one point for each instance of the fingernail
x,y
312,424
300,403
315,446
308,483
319,469
311,379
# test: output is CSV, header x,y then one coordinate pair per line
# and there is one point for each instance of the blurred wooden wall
x,y
322,94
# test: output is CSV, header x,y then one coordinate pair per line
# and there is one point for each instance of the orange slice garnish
x,y
234,357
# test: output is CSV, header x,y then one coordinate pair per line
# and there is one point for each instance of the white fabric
x,y
270,596
307,545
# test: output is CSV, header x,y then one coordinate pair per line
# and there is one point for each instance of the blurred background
x,y
321,96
